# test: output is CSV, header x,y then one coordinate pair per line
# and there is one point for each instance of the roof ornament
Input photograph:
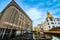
x,y
49,15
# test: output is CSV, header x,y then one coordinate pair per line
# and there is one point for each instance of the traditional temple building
x,y
13,18
51,22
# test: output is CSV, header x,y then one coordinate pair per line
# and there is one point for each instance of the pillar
x,y
3,33
10,33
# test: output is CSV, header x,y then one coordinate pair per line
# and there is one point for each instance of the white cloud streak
x,y
55,6
35,15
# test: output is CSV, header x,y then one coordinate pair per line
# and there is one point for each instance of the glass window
x,y
55,22
51,19
52,23
28,26
49,26
58,23
53,26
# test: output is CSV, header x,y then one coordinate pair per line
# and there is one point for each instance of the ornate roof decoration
x,y
49,15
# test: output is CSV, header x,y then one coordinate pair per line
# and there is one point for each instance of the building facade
x,y
13,18
40,25
51,22
37,29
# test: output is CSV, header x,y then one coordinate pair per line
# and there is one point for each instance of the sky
x,y
36,9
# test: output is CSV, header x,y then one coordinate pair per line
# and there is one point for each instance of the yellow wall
x,y
36,29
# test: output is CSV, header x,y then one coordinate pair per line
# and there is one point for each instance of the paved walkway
x,y
42,37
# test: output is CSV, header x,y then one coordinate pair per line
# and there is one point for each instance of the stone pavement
x,y
42,37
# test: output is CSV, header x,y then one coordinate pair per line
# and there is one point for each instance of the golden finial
x,y
49,15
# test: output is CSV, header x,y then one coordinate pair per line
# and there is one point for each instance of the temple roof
x,y
13,3
49,15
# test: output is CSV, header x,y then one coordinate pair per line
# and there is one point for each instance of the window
x,y
52,23
58,23
49,26
51,19
53,26
28,27
55,22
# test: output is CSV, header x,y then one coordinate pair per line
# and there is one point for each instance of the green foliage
x,y
34,32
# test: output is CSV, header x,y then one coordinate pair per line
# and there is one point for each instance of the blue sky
x,y
36,9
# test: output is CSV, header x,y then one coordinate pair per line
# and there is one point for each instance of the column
x,y
3,33
10,33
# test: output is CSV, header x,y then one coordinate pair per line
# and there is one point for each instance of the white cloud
x,y
35,15
55,6
54,13
55,16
